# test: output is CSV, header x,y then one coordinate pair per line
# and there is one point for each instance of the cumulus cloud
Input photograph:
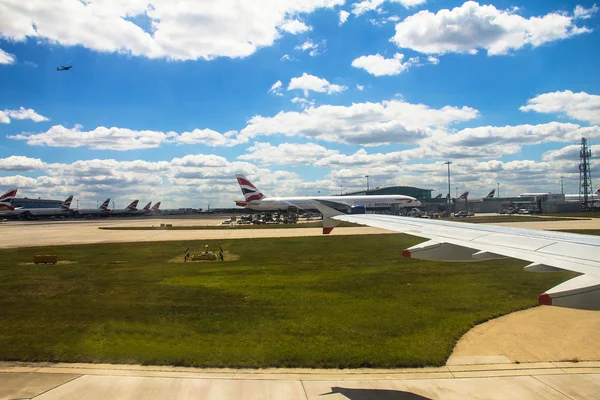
x,y
276,89
392,121
286,153
360,87
303,102
343,17
581,106
294,26
364,6
312,47
182,30
309,82
6,58
377,65
568,153
101,138
21,113
21,163
470,27
581,12
208,137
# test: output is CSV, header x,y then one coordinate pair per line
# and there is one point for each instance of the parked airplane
x,y
463,196
126,211
100,211
491,194
255,200
439,196
595,197
156,209
6,199
456,241
143,211
63,210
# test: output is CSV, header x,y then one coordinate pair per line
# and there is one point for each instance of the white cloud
x,y
470,27
21,113
101,138
392,121
182,30
208,137
303,102
312,48
276,89
21,163
433,60
377,65
6,58
308,82
364,6
568,153
581,106
294,26
343,17
584,13
286,57
360,87
286,153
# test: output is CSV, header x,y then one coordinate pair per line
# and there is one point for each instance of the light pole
x,y
96,203
498,183
341,190
113,205
78,204
367,176
448,164
562,188
456,193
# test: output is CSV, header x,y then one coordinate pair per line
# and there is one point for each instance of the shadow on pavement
x,y
378,394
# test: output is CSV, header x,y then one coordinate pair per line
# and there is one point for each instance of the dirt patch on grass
x,y
60,262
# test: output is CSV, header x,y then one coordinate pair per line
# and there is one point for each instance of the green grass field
x,y
349,301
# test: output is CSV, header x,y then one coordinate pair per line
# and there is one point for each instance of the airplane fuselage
x,y
92,211
370,202
40,212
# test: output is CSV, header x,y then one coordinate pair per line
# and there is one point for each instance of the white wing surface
x,y
458,241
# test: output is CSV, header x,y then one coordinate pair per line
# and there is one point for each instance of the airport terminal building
x,y
24,202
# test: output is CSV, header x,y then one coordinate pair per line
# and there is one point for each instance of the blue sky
x,y
168,103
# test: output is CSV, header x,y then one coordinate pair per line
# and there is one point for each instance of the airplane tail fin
x,y
491,194
147,207
439,196
597,192
156,207
66,205
9,195
464,196
133,205
248,189
104,205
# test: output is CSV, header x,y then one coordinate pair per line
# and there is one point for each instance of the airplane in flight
x,y
100,211
130,209
6,199
455,241
64,68
63,210
255,200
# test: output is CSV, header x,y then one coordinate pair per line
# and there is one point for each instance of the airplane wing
x,y
457,241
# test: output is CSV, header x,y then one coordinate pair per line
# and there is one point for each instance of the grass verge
x,y
347,301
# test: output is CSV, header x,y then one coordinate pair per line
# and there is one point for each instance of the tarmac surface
x,y
540,353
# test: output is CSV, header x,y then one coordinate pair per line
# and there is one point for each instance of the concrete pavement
x,y
546,380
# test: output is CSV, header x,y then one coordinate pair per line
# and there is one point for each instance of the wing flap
x,y
582,292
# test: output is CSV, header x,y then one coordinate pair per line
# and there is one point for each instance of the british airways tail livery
x,y
6,198
464,196
491,194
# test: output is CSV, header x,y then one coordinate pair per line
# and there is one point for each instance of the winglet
x,y
328,212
